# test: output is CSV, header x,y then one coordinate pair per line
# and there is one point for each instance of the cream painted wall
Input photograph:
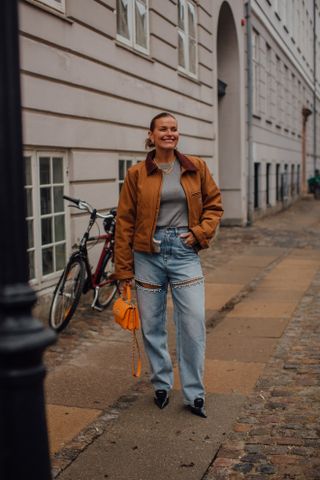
x,y
86,93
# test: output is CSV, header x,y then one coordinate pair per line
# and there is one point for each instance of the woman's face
x,y
165,134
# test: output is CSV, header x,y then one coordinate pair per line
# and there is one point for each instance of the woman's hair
x,y
148,142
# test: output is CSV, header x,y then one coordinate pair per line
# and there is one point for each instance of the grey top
x,y
173,204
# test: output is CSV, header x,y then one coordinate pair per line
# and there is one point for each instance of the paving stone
x,y
251,327
240,348
253,308
217,295
64,423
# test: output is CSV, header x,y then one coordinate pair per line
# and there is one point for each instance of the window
x,y
256,72
44,187
279,91
123,167
278,183
286,96
56,4
268,81
187,37
285,183
256,185
268,175
29,189
133,24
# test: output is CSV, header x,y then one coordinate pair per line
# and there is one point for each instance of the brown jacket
x,y
140,202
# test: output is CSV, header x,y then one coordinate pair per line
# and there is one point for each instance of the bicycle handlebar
x,y
74,200
82,205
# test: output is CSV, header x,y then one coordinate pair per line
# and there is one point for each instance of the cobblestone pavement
x,y
277,435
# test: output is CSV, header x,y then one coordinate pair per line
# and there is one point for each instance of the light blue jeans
x,y
177,265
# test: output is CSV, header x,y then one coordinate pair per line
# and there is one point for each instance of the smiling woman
x,y
169,209
163,132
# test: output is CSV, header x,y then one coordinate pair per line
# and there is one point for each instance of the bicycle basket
x,y
107,222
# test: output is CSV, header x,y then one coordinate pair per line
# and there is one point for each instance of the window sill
x,y
145,56
255,115
188,77
48,9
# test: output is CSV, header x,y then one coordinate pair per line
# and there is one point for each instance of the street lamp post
x,y
23,431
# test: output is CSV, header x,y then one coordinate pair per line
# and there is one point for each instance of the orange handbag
x,y
126,315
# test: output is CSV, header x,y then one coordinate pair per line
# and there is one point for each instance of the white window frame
x,y
269,99
131,41
256,72
60,6
278,91
128,162
40,279
186,38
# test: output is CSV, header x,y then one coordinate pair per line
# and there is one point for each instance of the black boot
x,y
161,398
198,408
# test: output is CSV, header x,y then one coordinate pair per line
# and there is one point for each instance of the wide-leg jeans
x,y
177,266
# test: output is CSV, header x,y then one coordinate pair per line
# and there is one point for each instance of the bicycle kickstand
x,y
95,299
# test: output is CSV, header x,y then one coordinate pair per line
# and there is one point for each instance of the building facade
x,y
236,74
285,94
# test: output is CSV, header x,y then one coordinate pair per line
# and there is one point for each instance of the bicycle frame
x,y
107,247
93,280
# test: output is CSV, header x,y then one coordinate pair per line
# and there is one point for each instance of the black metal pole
x,y
23,432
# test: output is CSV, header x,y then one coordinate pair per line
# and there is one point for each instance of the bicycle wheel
x,y
107,290
67,294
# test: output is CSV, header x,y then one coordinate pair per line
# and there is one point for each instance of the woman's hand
x,y
188,238
125,283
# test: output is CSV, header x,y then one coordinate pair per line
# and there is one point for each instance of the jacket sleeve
x,y
125,227
212,210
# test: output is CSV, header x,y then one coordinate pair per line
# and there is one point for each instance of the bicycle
x,y
77,277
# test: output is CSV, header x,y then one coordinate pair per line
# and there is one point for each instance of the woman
x,y
169,209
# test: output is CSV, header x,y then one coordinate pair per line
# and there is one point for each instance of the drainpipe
x,y
250,111
314,87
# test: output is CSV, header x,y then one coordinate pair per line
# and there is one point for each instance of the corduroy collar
x,y
184,161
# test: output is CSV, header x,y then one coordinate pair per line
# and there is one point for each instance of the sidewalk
x,y
262,313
